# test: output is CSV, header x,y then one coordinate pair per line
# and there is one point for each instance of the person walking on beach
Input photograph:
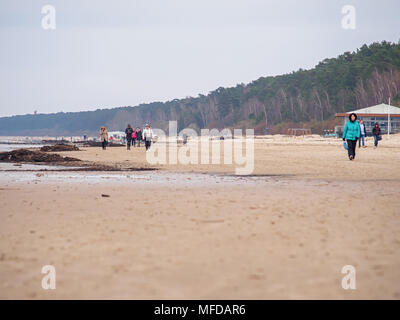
x,y
139,136
363,133
351,133
103,137
376,132
147,136
134,137
184,139
128,132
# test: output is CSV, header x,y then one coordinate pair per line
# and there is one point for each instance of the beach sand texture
x,y
283,235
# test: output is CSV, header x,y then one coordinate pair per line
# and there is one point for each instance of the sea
x,y
5,147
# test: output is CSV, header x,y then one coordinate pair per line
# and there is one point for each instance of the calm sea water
x,y
10,147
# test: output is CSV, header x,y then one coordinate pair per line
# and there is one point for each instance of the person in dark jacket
x,y
351,134
139,136
128,132
376,132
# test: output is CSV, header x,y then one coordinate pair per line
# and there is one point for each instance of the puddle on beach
x,y
7,166
16,173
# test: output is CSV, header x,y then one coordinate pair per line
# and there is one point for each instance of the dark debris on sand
x,y
98,144
59,147
86,167
70,164
25,155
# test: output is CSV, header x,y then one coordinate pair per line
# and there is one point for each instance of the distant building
x,y
379,114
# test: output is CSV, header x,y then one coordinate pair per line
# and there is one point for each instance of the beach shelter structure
x,y
386,115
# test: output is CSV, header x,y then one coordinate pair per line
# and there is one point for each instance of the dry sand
x,y
286,234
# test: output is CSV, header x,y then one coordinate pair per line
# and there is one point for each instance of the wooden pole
x,y
388,126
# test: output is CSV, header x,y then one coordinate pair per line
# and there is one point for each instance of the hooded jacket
x,y
128,132
139,135
351,129
376,131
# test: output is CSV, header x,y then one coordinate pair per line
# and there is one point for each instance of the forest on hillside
x,y
353,80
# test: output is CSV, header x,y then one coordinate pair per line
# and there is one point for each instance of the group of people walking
x,y
354,131
133,137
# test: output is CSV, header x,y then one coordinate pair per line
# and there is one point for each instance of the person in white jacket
x,y
147,136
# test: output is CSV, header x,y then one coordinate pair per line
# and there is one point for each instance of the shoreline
x,y
202,232
301,158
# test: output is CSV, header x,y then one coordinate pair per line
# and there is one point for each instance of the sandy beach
x,y
200,232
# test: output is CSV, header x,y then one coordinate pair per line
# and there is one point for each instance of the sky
x,y
105,54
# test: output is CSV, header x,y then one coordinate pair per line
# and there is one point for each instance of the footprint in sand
x,y
255,276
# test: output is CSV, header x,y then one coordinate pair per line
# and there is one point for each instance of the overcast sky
x,y
105,54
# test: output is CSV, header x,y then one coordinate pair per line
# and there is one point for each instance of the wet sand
x,y
170,235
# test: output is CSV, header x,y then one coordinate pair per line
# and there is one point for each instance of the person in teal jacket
x,y
351,134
